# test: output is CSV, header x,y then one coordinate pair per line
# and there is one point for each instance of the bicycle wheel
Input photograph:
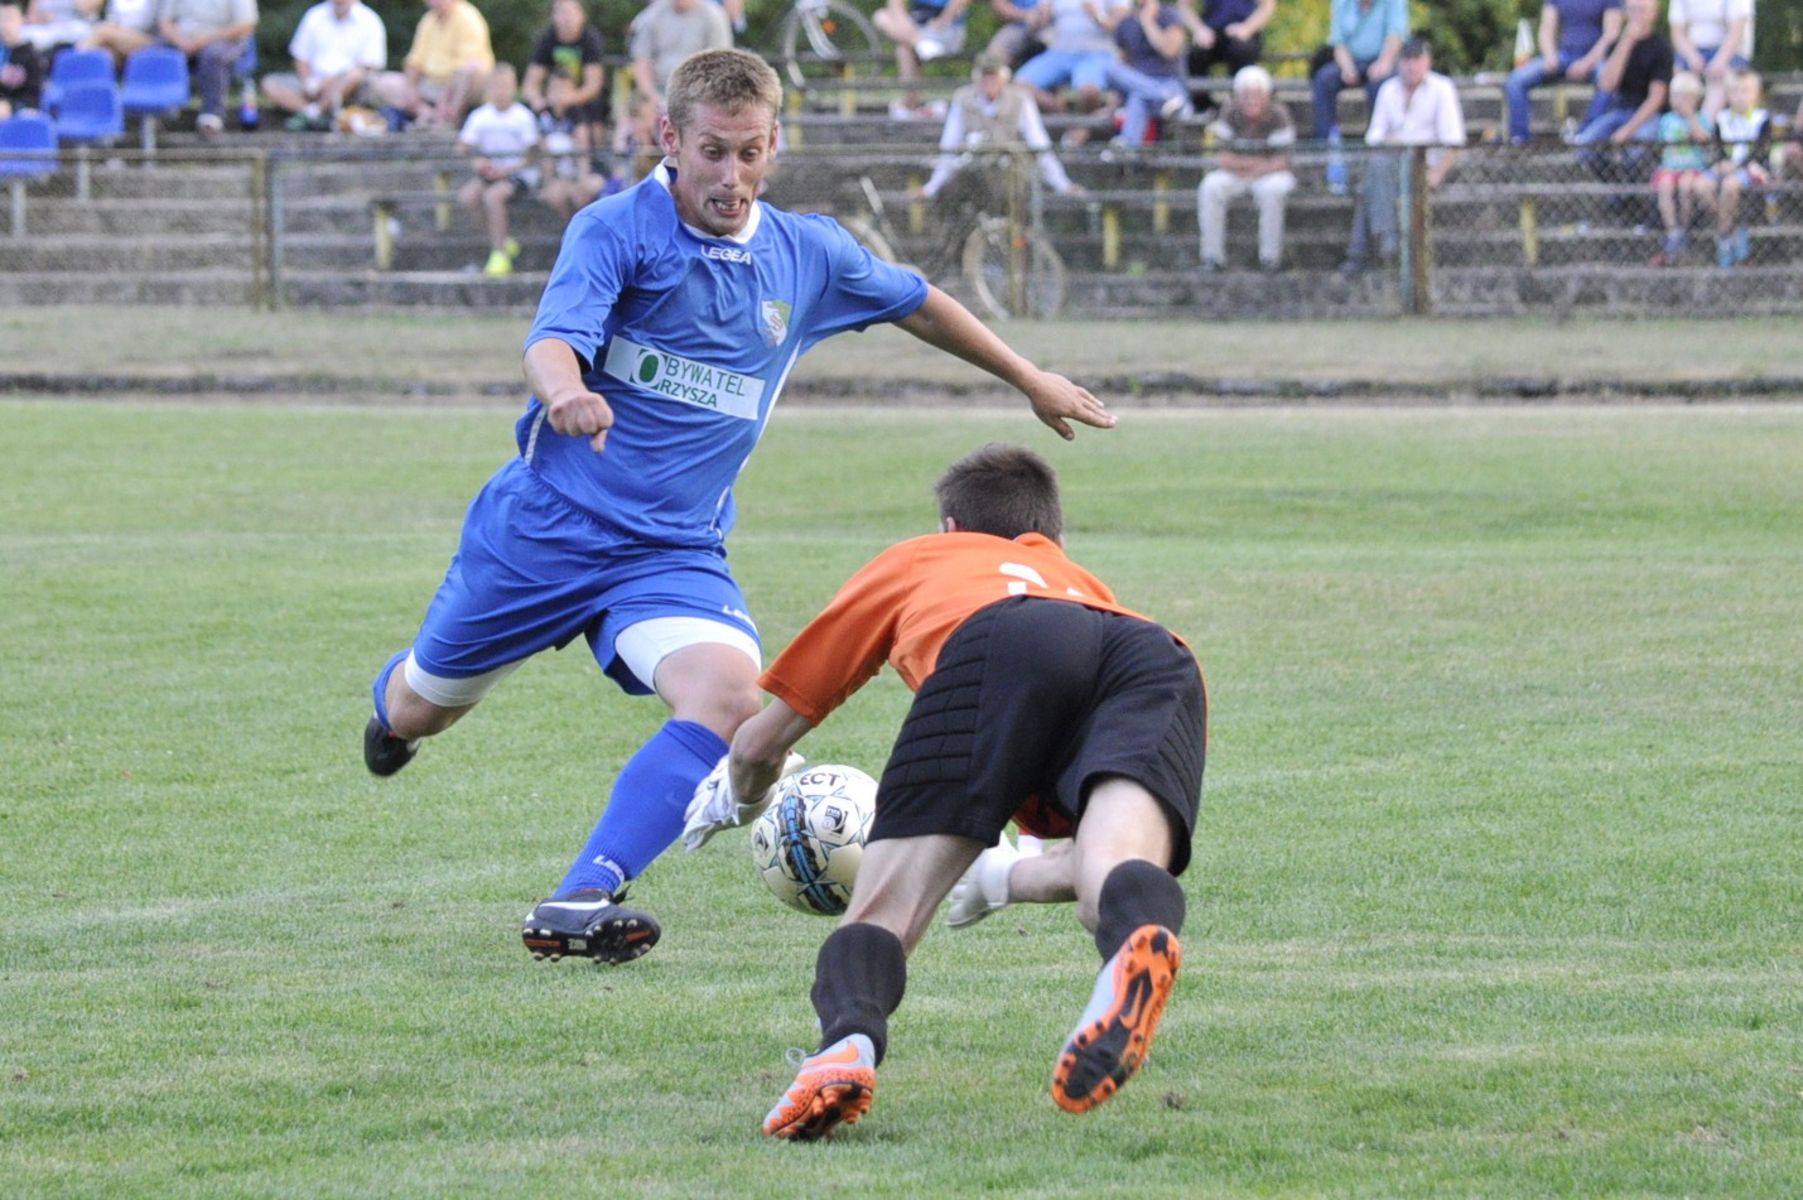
x,y
989,266
825,31
868,237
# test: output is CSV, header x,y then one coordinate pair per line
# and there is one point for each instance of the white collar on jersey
x,y
666,170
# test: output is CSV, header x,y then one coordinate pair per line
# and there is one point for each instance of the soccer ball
x,y
808,842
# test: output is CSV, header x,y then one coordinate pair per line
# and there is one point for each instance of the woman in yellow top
x,y
446,68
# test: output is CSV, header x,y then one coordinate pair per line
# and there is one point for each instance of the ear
x,y
668,136
947,525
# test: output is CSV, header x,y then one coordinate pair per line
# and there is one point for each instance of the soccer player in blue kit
x,y
674,314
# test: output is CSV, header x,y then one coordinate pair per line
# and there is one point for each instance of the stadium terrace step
x,y
119,179
1236,294
185,288
1617,290
128,219
126,256
413,289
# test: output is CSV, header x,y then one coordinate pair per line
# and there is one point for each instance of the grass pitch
x,y
1497,889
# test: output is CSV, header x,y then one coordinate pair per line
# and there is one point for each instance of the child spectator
x,y
922,31
130,25
1150,73
565,82
1743,139
1685,131
446,67
502,136
1258,135
635,148
21,66
338,46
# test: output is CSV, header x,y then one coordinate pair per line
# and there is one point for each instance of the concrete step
x,y
126,255
39,288
425,289
1234,294
124,180
137,218
1618,290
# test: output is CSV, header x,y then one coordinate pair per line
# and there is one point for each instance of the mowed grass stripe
x,y
1496,890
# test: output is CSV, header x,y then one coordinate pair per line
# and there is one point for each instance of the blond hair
x,y
729,80
1687,83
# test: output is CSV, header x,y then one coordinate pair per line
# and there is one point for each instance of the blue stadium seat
x,y
32,139
73,68
90,112
156,80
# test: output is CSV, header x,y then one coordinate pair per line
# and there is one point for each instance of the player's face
x,y
721,160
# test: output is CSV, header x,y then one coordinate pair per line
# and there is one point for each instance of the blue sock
x,y
645,811
380,687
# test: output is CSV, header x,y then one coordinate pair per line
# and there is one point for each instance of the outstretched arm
x,y
942,322
760,748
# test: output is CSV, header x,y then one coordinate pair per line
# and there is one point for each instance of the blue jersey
x,y
690,339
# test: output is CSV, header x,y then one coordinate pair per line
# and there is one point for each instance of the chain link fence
x,y
1559,229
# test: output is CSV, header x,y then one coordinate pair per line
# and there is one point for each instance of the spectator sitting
x,y
1685,131
1079,40
1418,106
52,24
1636,75
1258,135
1020,36
446,67
922,30
1364,40
337,48
667,32
635,149
1227,33
566,84
213,34
130,25
21,66
1150,73
1743,139
502,135
990,112
1575,37
1712,38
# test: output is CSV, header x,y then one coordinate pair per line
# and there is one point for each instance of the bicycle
x,y
1011,267
826,31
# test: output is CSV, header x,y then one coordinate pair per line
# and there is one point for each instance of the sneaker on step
x,y
1114,1034
833,1087
499,266
983,888
384,753
589,923
512,248
929,48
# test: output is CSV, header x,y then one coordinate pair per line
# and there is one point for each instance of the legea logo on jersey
x,y
775,314
684,379
731,254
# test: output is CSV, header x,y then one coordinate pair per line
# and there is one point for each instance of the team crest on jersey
x,y
776,321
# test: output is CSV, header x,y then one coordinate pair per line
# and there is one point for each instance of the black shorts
x,y
1036,700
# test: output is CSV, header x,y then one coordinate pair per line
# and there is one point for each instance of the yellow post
x,y
441,183
1161,209
1111,237
1530,233
917,208
384,210
848,90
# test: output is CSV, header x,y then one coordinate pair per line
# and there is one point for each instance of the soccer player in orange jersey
x,y
1038,697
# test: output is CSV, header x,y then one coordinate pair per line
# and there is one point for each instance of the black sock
x,y
1136,893
858,981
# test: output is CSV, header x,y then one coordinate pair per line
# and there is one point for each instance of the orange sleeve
x,y
842,648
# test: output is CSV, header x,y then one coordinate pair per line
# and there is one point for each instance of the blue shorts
x,y
1054,69
532,571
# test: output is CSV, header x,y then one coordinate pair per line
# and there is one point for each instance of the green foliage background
x,y
1468,35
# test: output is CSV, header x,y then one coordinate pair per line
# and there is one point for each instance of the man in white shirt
x,y
1415,107
1714,38
336,48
